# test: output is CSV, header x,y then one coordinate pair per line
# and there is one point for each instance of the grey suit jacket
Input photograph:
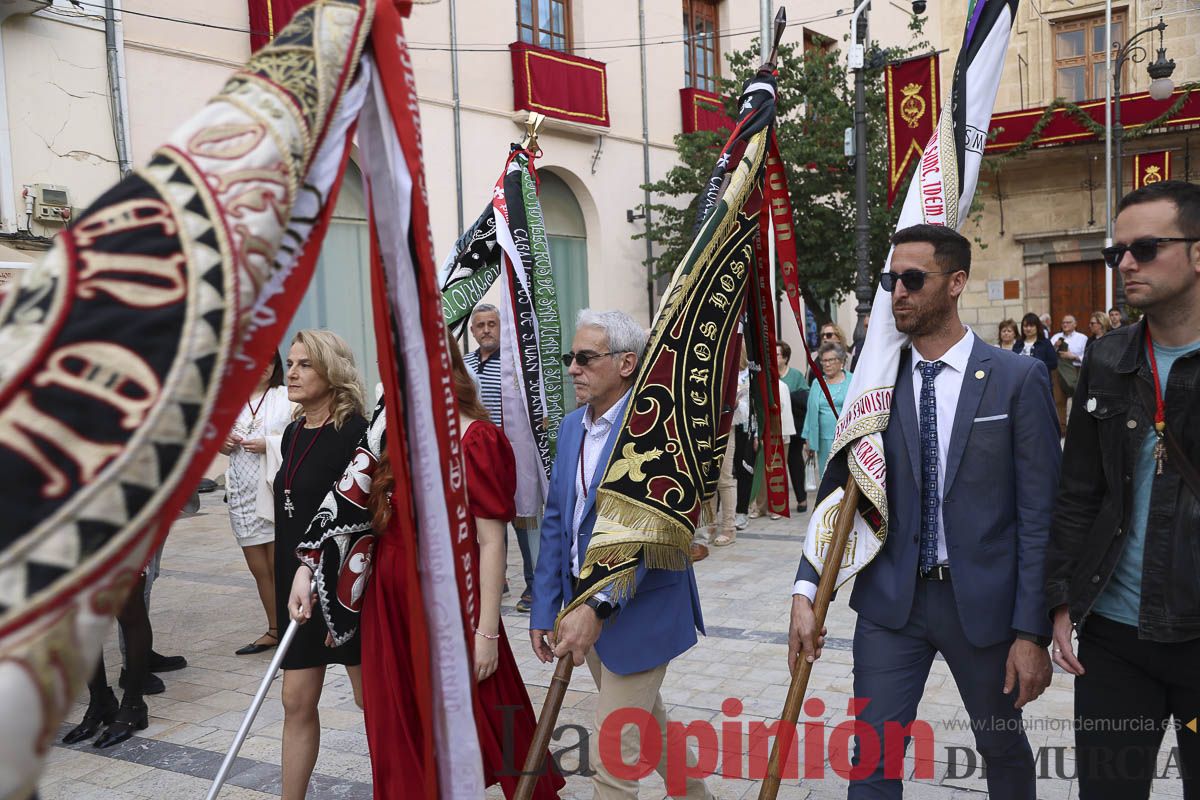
x,y
1001,476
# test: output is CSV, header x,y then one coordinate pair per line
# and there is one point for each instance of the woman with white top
x,y
254,457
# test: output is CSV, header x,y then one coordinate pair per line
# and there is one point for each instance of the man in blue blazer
x,y
627,648
972,453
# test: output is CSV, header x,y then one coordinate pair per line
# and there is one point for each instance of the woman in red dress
x,y
394,638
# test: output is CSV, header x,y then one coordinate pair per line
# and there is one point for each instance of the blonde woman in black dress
x,y
316,447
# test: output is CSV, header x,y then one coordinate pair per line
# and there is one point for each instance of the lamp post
x,y
1161,88
862,230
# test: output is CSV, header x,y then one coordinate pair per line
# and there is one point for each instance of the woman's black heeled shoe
x,y
254,648
101,711
131,717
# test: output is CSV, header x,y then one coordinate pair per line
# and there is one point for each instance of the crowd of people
x,y
981,564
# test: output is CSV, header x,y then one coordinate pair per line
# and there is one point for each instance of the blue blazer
x,y
1001,477
661,619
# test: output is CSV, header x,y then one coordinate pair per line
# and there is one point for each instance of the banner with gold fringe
x,y
911,90
1151,168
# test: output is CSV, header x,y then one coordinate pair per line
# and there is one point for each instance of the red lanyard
x,y
290,469
255,409
1160,410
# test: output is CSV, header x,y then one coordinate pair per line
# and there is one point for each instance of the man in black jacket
x,y
1123,566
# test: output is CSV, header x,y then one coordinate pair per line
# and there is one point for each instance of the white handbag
x,y
810,473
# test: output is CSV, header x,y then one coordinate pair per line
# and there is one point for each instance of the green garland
x,y
1085,120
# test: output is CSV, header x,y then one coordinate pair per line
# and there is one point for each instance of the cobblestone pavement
x,y
204,607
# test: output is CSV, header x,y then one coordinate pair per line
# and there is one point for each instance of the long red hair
x,y
383,482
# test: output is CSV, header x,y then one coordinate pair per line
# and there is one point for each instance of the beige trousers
x,y
640,690
722,505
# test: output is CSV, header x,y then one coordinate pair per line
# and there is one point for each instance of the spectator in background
x,y
820,420
830,332
1034,343
254,458
1007,334
743,450
1098,325
1115,318
1047,323
798,396
484,363
1071,346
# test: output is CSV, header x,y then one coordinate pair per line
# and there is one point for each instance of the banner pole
x,y
795,697
536,757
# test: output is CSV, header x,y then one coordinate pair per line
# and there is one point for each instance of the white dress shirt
x,y
595,436
1076,343
947,386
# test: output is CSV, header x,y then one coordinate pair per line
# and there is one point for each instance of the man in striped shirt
x,y
485,363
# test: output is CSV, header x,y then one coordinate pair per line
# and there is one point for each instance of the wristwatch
x,y
1040,641
603,608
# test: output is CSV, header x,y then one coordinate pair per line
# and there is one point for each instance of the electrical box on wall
x,y
51,203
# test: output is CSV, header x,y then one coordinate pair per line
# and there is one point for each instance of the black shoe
x,y
161,663
152,685
255,648
101,711
131,717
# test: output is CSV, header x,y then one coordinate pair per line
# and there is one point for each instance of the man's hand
x,y
577,632
543,644
1062,651
1028,667
802,633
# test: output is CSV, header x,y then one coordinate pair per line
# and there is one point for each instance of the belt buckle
x,y
939,572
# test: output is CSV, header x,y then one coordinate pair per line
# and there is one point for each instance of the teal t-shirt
x,y
1122,597
794,379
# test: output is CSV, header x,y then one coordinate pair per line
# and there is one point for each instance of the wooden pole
x,y
535,759
799,685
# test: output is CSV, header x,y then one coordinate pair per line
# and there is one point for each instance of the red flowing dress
x,y
394,644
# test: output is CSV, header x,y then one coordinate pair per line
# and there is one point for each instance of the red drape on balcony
x,y
267,18
559,85
1136,109
703,111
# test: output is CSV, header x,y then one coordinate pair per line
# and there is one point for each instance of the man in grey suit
x,y
972,459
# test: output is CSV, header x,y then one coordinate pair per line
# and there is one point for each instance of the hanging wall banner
x,y
912,106
1151,168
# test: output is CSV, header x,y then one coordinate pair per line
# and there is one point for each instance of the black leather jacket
x,y
1114,408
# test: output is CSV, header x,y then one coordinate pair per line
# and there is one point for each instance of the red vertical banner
x,y
267,18
1151,168
912,109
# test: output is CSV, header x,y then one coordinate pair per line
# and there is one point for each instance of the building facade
x,y
579,62
1042,221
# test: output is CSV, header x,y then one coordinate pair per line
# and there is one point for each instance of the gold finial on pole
x,y
533,124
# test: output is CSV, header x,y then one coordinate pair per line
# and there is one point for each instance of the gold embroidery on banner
x,y
167,272
913,106
22,421
1153,174
108,372
127,216
631,463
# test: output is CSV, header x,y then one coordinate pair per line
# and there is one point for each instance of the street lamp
x,y
1161,88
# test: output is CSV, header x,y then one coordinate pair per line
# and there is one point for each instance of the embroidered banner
x,y
911,89
1151,168
559,85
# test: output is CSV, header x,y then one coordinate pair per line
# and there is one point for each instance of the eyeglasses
x,y
913,279
829,335
1142,250
584,357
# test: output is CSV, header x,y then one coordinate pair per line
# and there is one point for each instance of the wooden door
x,y
1077,288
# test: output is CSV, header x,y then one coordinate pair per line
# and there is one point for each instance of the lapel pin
x,y
1091,404
979,375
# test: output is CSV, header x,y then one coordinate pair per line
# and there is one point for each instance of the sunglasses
x,y
913,279
828,335
583,357
1142,250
